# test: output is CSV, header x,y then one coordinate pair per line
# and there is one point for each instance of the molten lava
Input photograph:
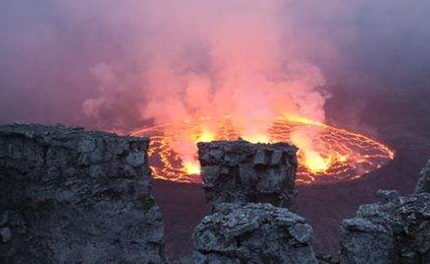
x,y
326,153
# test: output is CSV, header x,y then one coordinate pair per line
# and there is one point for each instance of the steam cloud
x,y
204,59
117,65
212,59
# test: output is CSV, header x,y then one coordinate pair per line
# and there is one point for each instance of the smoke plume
x,y
121,65
211,60
199,59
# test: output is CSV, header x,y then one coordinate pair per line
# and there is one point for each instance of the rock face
x,y
423,184
253,233
394,231
243,183
70,196
241,172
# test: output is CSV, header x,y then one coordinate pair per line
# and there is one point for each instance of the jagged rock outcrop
x,y
423,185
241,172
70,196
394,231
253,233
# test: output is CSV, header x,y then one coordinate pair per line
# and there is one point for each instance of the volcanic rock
x,y
70,196
395,230
241,172
423,184
253,233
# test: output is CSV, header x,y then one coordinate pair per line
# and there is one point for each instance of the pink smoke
x,y
215,59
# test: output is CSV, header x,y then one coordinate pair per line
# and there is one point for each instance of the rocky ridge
x,y
71,196
395,230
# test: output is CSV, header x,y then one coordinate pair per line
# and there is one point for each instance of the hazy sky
x,y
57,55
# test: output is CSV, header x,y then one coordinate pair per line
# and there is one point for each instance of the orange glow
x,y
205,136
315,162
257,138
191,167
326,153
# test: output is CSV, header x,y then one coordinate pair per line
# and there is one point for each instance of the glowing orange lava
x,y
326,153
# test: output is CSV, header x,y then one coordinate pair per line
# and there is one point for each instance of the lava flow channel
x,y
337,154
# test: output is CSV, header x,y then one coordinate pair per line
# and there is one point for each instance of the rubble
x,y
71,196
241,172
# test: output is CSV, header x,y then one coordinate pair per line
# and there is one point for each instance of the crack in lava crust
x,y
347,155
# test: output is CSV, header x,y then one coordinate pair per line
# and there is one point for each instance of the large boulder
x,y
252,233
241,172
70,196
393,231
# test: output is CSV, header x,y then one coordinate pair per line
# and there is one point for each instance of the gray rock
x,y
70,196
423,184
394,231
5,234
241,172
253,233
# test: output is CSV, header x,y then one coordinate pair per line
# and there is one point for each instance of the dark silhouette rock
x,y
253,233
241,172
423,184
70,196
326,258
394,231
